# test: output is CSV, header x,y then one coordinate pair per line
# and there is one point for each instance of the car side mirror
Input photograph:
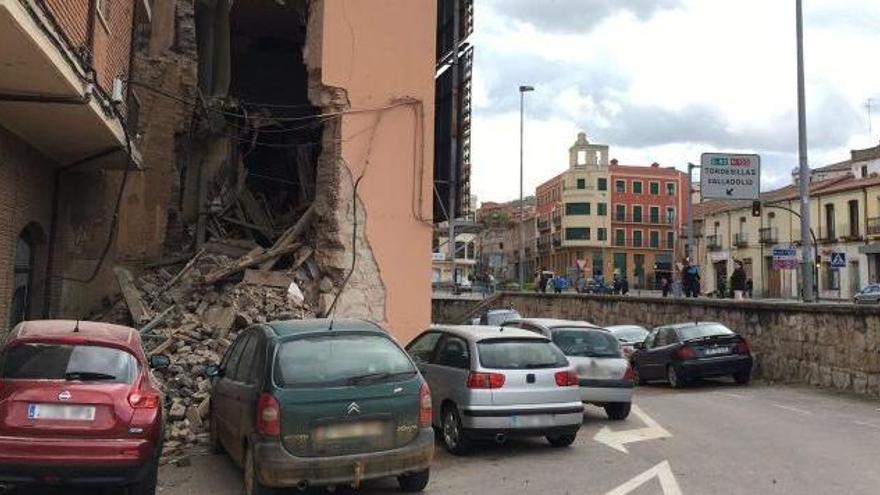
x,y
639,346
160,362
214,371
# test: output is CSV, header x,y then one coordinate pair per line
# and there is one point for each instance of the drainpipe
x,y
90,39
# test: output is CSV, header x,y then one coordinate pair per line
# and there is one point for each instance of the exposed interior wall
x,y
376,58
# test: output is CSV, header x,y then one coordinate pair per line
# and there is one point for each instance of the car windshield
x,y
46,361
519,354
629,334
586,343
496,318
700,331
341,359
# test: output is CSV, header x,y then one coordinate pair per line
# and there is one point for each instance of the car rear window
x,y
519,354
699,331
586,343
630,334
341,359
496,318
44,361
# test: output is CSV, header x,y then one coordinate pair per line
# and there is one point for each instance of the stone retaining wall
x,y
828,345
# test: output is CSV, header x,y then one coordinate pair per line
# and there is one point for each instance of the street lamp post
x,y
522,233
804,173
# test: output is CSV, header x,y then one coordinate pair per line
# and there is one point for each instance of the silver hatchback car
x,y
495,382
605,376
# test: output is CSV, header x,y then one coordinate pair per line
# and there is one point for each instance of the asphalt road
x,y
712,438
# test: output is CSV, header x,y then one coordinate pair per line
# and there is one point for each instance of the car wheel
x,y
618,411
147,486
216,444
454,437
743,377
637,377
252,485
562,440
674,377
415,482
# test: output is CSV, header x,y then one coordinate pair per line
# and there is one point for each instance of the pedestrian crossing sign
x,y
838,260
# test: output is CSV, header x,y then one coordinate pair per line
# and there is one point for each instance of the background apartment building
x,y
649,210
844,218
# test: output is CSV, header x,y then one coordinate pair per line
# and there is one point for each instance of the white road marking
x,y
869,425
617,439
662,472
794,409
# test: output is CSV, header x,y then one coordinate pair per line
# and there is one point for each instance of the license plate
x,y
349,430
61,412
526,421
716,350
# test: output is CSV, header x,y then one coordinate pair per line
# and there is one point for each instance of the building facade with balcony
x,y
649,206
66,144
548,197
844,218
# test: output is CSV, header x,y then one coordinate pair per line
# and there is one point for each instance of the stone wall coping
x,y
747,305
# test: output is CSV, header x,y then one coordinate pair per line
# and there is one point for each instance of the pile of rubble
x,y
192,310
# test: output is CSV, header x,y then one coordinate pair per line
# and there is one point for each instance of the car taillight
x,y
630,374
743,348
566,378
685,353
268,416
485,380
425,408
143,400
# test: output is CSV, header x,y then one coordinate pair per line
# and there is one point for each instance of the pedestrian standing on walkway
x,y
664,286
750,287
738,281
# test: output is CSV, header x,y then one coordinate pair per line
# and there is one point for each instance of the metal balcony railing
x,y
850,232
874,226
713,242
741,240
769,235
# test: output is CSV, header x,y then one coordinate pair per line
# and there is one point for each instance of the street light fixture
x,y
522,233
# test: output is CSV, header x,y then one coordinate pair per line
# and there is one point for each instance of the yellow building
x,y
845,223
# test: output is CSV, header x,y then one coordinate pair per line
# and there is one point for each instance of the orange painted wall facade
x,y
383,55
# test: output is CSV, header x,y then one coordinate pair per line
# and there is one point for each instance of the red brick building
x,y
63,143
548,198
648,212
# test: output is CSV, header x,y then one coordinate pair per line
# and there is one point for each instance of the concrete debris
x,y
202,304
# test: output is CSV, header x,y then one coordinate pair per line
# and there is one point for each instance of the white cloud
x,y
665,84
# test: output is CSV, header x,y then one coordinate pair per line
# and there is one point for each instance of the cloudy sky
x,y
665,80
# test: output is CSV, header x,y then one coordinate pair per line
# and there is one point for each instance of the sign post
x,y
730,176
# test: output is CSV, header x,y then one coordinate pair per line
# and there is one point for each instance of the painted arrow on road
x,y
618,439
662,471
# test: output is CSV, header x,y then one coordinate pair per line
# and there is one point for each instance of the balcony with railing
x,y
850,232
769,235
557,240
557,219
543,224
829,235
874,226
641,219
642,243
713,242
741,239
57,80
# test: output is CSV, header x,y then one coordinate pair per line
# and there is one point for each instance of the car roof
x,y
689,324
477,333
500,311
287,328
554,322
92,330
625,327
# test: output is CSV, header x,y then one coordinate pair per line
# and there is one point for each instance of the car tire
x,y
454,438
618,411
415,482
562,440
252,485
743,377
147,486
637,377
216,445
674,377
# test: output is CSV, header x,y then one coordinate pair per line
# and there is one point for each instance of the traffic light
x,y
818,261
756,208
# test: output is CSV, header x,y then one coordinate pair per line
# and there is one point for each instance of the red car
x,y
79,406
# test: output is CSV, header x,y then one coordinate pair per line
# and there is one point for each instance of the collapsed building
x,y
293,136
